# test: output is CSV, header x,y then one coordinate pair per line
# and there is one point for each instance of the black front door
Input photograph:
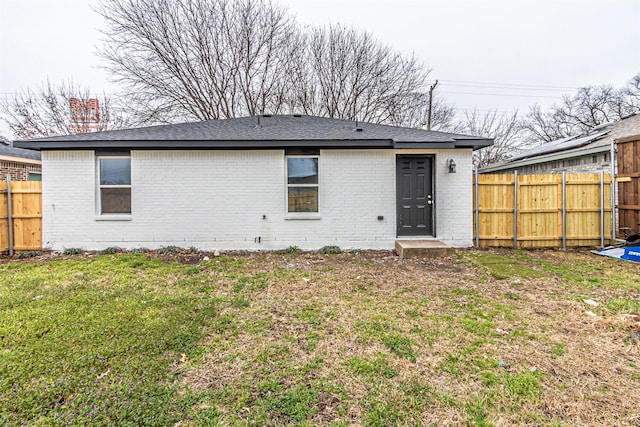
x,y
414,190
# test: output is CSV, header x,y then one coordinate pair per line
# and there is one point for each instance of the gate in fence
x,y
20,216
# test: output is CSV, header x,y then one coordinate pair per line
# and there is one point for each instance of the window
x,y
35,176
302,184
114,184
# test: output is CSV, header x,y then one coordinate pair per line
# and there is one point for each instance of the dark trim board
x,y
242,145
201,145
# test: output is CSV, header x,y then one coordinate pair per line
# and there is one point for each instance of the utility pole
x,y
433,86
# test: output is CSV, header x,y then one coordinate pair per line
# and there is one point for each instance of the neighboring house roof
x,y
19,153
597,140
264,131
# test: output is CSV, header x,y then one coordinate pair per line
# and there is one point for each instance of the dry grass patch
x,y
371,339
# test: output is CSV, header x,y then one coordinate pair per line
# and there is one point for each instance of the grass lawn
x,y
480,337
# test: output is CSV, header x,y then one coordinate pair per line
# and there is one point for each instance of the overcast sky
x,y
490,54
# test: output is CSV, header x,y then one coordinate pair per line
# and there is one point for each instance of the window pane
x,y
115,200
115,171
303,199
302,170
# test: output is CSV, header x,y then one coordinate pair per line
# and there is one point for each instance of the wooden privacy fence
x,y
553,210
629,181
20,216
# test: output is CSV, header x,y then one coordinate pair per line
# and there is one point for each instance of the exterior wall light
x,y
451,164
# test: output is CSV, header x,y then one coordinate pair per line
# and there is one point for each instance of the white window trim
x,y
300,215
113,217
108,216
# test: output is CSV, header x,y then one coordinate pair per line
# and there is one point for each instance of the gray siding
x,y
581,164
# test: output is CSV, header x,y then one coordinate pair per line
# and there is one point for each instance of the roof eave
x,y
199,144
17,159
422,145
476,144
245,145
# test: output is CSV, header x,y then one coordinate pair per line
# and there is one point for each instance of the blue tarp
x,y
629,253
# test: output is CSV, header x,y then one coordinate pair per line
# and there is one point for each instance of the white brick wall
x,y
217,199
68,197
454,198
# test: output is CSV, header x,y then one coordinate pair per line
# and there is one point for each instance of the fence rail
x,y
20,216
553,210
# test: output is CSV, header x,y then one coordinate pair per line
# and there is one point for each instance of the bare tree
x,y
545,125
199,59
212,59
505,130
590,106
631,94
346,73
416,113
59,109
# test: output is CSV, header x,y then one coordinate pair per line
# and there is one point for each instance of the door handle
x,y
429,201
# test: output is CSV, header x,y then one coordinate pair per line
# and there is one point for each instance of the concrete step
x,y
422,248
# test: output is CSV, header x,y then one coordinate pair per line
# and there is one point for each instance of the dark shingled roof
x,y
6,150
263,131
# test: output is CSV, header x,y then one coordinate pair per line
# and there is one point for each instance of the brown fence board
x,y
629,192
539,210
26,215
538,223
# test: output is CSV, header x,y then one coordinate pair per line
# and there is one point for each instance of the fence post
x,y
515,209
477,213
602,208
614,192
564,210
9,216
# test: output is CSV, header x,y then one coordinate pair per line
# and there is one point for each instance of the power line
x,y
471,110
504,87
511,84
500,94
471,113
